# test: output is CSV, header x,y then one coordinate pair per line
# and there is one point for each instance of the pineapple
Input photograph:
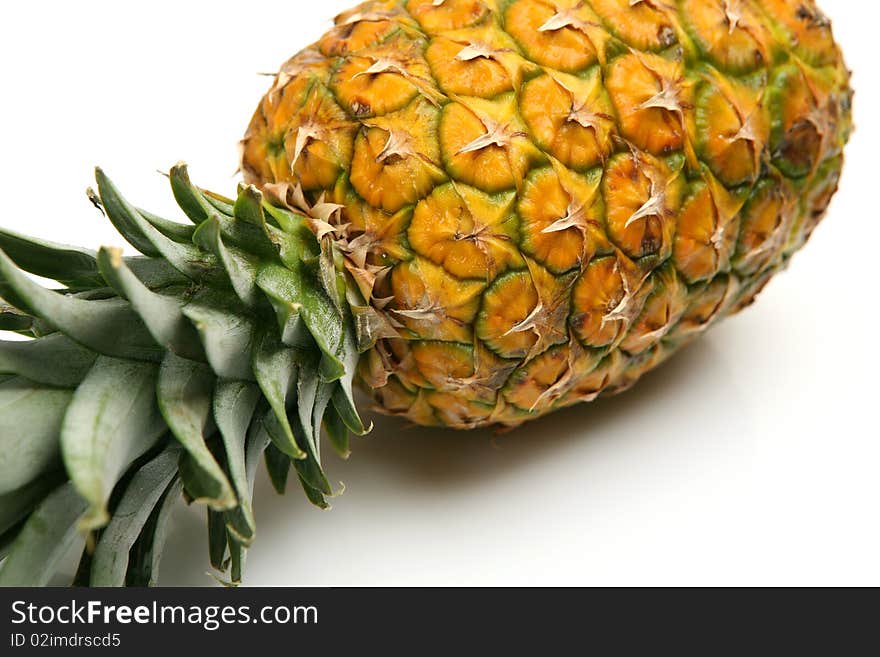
x,y
541,200
479,211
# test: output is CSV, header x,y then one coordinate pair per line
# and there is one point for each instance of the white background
x,y
753,458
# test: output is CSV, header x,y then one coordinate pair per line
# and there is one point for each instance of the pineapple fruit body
x,y
541,200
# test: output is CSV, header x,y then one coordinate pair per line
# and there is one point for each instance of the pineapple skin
x,y
540,201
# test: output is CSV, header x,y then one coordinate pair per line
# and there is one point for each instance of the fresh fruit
x,y
542,200
480,211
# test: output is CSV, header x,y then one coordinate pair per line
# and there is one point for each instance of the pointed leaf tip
x,y
185,391
188,197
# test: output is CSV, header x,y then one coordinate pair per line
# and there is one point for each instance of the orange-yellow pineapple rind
x,y
545,199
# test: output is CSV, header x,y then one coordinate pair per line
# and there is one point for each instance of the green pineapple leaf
x,y
172,372
112,421
184,391
110,561
45,539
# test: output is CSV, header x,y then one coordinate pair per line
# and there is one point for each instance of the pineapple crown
x,y
230,339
